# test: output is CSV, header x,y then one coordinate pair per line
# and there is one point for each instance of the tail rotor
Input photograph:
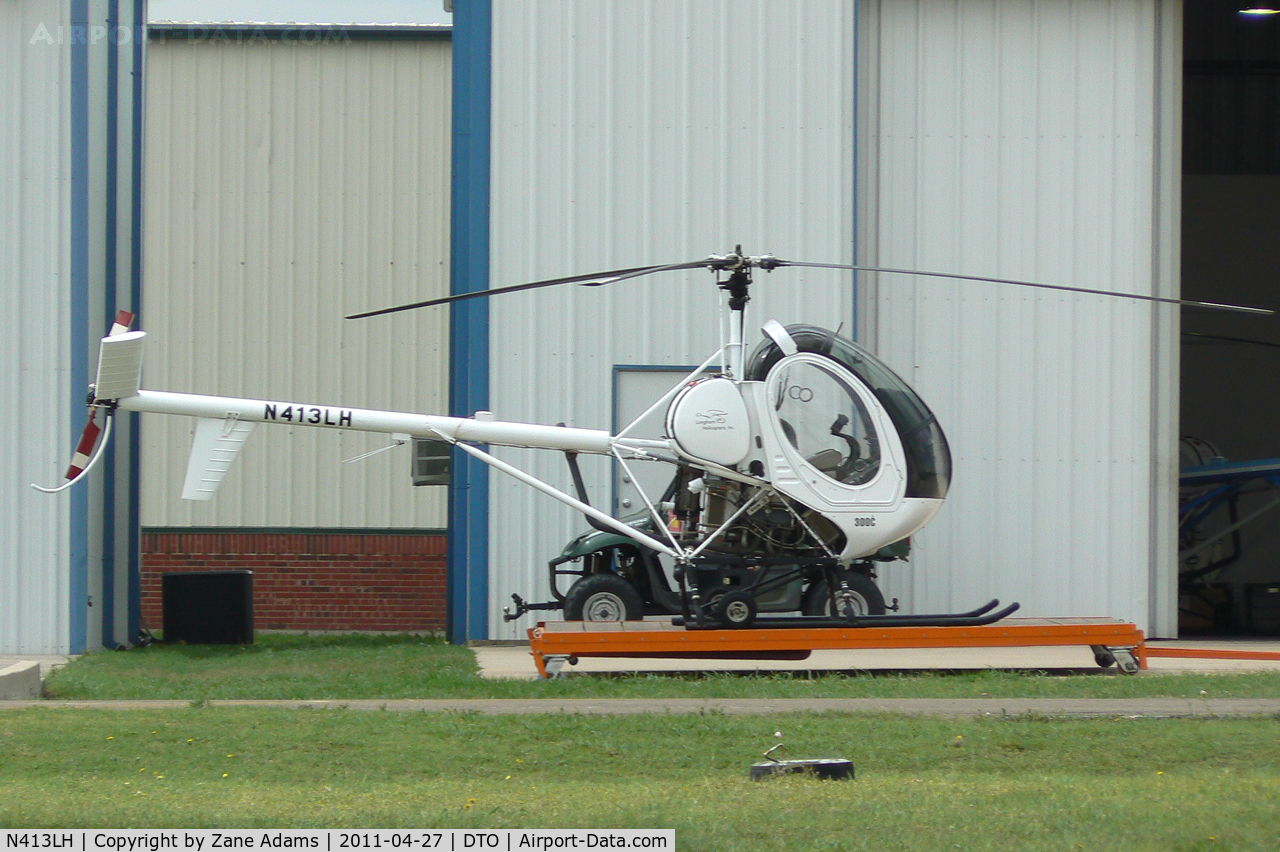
x,y
94,439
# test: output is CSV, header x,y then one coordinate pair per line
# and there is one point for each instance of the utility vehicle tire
x,y
867,599
603,597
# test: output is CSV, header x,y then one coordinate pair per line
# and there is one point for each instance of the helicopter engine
x,y
704,503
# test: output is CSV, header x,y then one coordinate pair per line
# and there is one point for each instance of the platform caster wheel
x,y
1103,657
735,609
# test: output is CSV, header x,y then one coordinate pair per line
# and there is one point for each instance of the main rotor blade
x,y
1219,338
1215,306
594,279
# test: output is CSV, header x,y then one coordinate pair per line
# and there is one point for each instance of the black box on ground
x,y
208,607
1263,602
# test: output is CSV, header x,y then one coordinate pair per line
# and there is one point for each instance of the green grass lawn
x,y
353,666
998,783
982,783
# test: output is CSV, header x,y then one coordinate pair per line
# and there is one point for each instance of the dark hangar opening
x,y
1230,581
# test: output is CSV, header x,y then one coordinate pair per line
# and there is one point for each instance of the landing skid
x,y
985,614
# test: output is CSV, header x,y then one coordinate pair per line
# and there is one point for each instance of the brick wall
x,y
312,580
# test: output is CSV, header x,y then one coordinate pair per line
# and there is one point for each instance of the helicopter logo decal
x,y
800,394
712,419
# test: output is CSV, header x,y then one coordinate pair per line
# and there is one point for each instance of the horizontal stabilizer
x,y
216,444
119,366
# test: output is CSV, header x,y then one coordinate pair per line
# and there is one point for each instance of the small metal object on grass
x,y
826,768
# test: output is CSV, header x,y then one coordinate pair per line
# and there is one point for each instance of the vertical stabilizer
x,y
119,366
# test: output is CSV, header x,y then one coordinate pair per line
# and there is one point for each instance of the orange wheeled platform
x,y
556,642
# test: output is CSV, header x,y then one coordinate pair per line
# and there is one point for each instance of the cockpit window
x,y
928,456
825,421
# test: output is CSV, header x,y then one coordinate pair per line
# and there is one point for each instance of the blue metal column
x,y
111,248
78,499
104,51
468,553
121,475
134,617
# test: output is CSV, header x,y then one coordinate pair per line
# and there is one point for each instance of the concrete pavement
x,y
20,676
48,662
515,661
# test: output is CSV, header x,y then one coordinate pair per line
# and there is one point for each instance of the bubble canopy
x,y
928,456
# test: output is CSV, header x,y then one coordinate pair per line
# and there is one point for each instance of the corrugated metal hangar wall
x,y
1015,139
295,176
69,256
1039,142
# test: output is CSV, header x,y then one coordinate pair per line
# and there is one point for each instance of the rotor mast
x,y
738,286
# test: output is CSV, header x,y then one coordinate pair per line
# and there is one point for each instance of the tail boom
x,y
453,429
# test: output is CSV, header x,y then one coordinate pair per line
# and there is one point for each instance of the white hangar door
x,y
1034,141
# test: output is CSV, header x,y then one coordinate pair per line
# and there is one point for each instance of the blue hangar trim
x,y
78,515
468,551
96,285
134,617
122,474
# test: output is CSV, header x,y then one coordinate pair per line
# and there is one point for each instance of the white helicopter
x,y
795,467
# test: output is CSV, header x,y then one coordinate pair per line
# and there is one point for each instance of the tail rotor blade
x,y
84,449
85,456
